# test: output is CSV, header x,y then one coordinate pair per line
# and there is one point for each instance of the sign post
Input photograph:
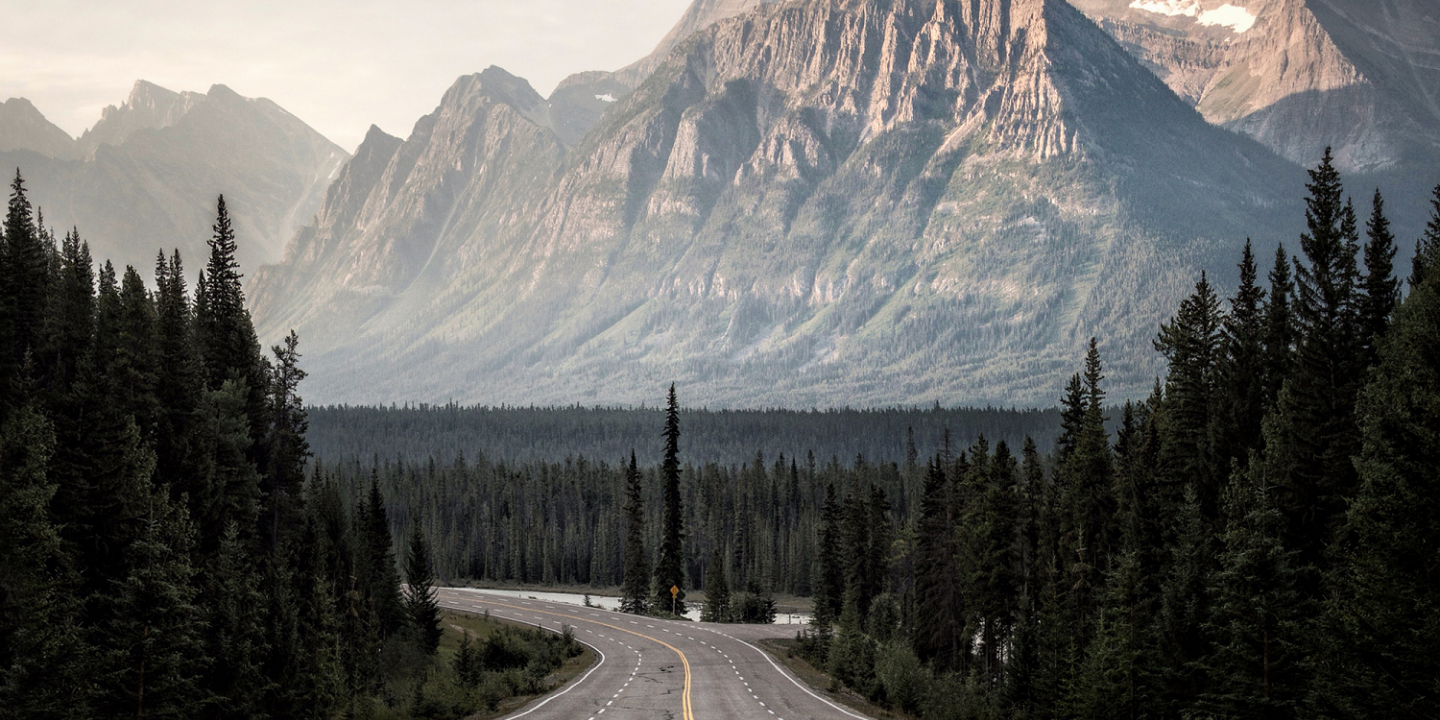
x,y
674,593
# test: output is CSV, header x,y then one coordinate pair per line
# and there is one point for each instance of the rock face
x,y
22,127
819,203
147,175
1299,75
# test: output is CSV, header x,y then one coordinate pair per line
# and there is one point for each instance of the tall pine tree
x,y
635,587
670,566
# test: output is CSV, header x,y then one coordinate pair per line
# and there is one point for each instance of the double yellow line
x,y
686,712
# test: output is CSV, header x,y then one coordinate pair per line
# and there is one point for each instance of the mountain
x,y
1299,75
826,202
22,127
146,176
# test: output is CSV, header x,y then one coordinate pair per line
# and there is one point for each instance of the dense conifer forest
x,y
161,552
725,437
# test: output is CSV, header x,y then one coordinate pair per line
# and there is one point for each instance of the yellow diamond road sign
x,y
674,590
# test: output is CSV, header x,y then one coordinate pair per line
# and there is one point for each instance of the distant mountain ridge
x,y
1363,77
146,176
817,203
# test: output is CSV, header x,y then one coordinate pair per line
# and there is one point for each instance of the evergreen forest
x,y
161,552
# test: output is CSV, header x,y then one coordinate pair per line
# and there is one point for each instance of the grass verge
x,y
820,682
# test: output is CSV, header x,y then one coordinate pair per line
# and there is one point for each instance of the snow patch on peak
x,y
1234,17
1171,8
607,97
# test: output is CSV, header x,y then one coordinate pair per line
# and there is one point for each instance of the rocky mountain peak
x,y
23,127
148,106
1298,75
917,192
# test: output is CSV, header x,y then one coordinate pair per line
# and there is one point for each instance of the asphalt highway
x,y
655,669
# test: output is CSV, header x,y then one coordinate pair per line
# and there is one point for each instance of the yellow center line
x,y
684,661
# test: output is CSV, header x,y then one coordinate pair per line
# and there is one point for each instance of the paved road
x,y
660,669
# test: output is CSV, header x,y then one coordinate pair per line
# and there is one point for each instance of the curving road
x,y
660,669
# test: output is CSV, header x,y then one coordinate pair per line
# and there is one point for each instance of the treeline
x,y
161,554
724,437
565,522
1258,539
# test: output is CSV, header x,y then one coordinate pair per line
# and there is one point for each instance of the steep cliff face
x,y
822,202
1299,75
147,175
400,213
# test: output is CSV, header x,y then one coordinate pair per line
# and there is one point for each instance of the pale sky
x,y
339,65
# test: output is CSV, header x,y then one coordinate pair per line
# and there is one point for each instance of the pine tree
x,y
24,291
635,589
1427,248
670,566
420,598
155,634
1087,494
1279,328
42,670
939,626
225,334
178,452
717,591
286,450
830,573
381,583
1257,668
1192,343
1382,618
1072,417
1185,608
132,366
1315,436
1381,290
234,631
1241,372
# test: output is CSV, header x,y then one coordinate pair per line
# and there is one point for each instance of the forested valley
x,y
1257,538
161,553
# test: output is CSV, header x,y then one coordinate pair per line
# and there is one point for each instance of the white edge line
x,y
572,685
787,676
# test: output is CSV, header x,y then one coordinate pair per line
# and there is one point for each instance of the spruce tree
x,y
286,450
1257,667
717,591
235,624
1192,343
24,290
1315,436
1241,373
670,565
939,627
1380,290
635,588
154,636
1427,248
420,597
177,449
226,338
1382,617
1279,328
830,570
381,582
43,659
1185,608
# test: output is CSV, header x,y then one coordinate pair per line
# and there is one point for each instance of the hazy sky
x,y
339,65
